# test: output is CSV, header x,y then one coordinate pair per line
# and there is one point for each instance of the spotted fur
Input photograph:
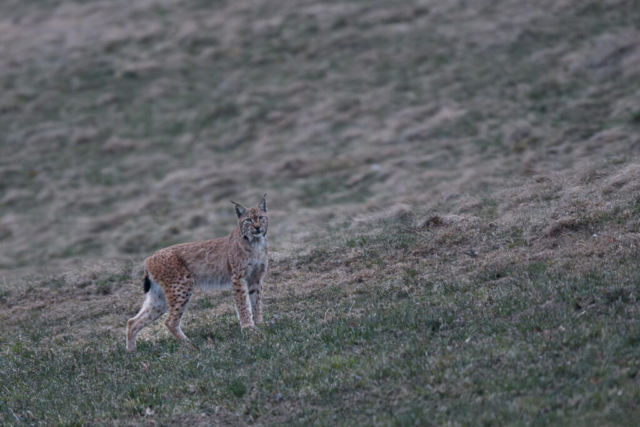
x,y
238,261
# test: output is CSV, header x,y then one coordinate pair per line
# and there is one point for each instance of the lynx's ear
x,y
263,203
240,210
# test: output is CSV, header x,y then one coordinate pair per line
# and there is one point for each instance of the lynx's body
x,y
238,261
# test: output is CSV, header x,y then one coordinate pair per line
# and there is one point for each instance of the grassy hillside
x,y
407,320
454,195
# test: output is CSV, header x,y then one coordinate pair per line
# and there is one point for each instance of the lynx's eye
x,y
248,220
262,218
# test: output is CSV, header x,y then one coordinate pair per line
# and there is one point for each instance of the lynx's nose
x,y
257,230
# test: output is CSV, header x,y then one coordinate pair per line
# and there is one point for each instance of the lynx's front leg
x,y
241,298
255,295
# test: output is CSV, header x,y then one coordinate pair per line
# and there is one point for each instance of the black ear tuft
x,y
263,203
240,210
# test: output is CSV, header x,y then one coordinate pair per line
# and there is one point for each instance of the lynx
x,y
238,261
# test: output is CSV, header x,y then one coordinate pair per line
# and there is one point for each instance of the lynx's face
x,y
253,222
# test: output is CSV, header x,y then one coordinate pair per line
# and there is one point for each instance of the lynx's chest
x,y
255,271
257,264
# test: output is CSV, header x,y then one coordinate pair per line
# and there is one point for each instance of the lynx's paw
x,y
250,329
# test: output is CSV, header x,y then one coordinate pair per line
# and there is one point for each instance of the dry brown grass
x,y
126,127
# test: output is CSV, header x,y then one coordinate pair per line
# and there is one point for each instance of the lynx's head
x,y
253,222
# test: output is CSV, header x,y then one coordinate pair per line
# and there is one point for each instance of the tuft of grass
x,y
237,387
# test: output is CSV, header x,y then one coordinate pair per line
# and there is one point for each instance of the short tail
x,y
147,282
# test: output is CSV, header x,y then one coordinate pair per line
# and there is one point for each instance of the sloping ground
x,y
521,310
126,126
454,199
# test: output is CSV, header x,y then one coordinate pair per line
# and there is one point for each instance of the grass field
x,y
454,192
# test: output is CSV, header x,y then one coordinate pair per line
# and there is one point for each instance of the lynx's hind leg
x,y
178,295
155,305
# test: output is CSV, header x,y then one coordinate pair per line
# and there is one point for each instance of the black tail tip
x,y
147,284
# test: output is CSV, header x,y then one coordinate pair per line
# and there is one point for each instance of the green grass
x,y
520,344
